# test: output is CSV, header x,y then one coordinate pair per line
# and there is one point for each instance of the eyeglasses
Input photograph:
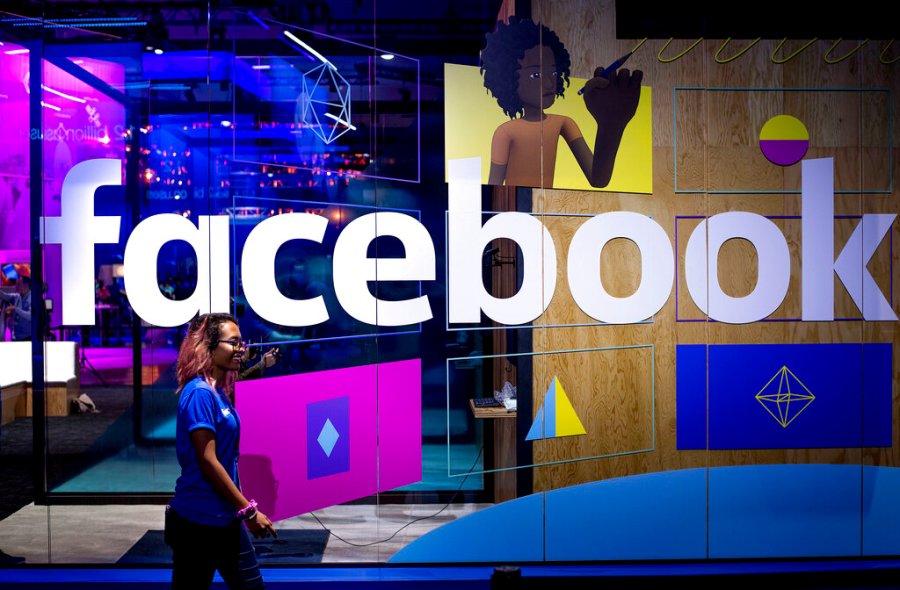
x,y
236,343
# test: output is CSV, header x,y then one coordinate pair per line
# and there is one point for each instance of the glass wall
x,y
495,307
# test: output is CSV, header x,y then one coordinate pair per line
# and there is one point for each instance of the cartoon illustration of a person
x,y
525,67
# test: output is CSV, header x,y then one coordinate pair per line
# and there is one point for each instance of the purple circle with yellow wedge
x,y
784,140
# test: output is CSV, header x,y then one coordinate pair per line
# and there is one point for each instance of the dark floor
x,y
69,440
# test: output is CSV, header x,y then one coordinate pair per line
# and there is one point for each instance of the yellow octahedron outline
x,y
784,398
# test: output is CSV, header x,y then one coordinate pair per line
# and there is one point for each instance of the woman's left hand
x,y
260,526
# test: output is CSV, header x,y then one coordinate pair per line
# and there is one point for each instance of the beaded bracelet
x,y
248,512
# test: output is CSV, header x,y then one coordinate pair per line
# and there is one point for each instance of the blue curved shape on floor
x,y
579,524
750,511
509,531
648,516
881,511
785,510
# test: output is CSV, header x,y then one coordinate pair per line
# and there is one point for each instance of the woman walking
x,y
208,519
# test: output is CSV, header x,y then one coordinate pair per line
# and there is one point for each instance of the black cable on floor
x,y
421,518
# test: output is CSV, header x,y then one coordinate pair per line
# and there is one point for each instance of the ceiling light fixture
x,y
299,42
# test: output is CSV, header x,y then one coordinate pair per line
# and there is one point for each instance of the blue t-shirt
x,y
201,406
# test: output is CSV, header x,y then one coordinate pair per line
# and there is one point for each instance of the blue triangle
x,y
537,427
550,411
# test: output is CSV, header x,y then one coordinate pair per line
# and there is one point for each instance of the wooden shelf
x,y
498,412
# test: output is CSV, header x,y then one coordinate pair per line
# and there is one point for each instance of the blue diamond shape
x,y
328,437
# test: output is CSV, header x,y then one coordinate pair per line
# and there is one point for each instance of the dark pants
x,y
199,550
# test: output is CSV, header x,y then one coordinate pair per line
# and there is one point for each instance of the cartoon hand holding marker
x,y
611,97
609,70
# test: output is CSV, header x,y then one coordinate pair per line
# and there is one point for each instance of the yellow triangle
x,y
567,422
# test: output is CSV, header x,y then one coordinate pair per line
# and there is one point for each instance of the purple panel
x,y
328,437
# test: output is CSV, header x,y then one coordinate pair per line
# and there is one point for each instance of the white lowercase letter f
x,y
77,230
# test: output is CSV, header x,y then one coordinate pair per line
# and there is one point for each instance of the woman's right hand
x,y
260,526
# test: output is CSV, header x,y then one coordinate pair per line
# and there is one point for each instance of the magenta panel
x,y
399,423
384,414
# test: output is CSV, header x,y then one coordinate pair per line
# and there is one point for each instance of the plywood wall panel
x,y
710,139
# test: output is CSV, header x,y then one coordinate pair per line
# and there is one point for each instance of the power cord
x,y
421,518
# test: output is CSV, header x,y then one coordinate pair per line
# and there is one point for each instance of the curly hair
x,y
195,354
500,60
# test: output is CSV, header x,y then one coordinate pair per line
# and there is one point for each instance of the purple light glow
x,y
87,125
14,155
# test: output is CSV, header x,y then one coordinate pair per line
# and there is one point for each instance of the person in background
x,y
208,519
168,287
101,294
45,306
3,318
101,291
257,369
18,309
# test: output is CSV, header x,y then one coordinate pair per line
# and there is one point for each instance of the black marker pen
x,y
611,68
